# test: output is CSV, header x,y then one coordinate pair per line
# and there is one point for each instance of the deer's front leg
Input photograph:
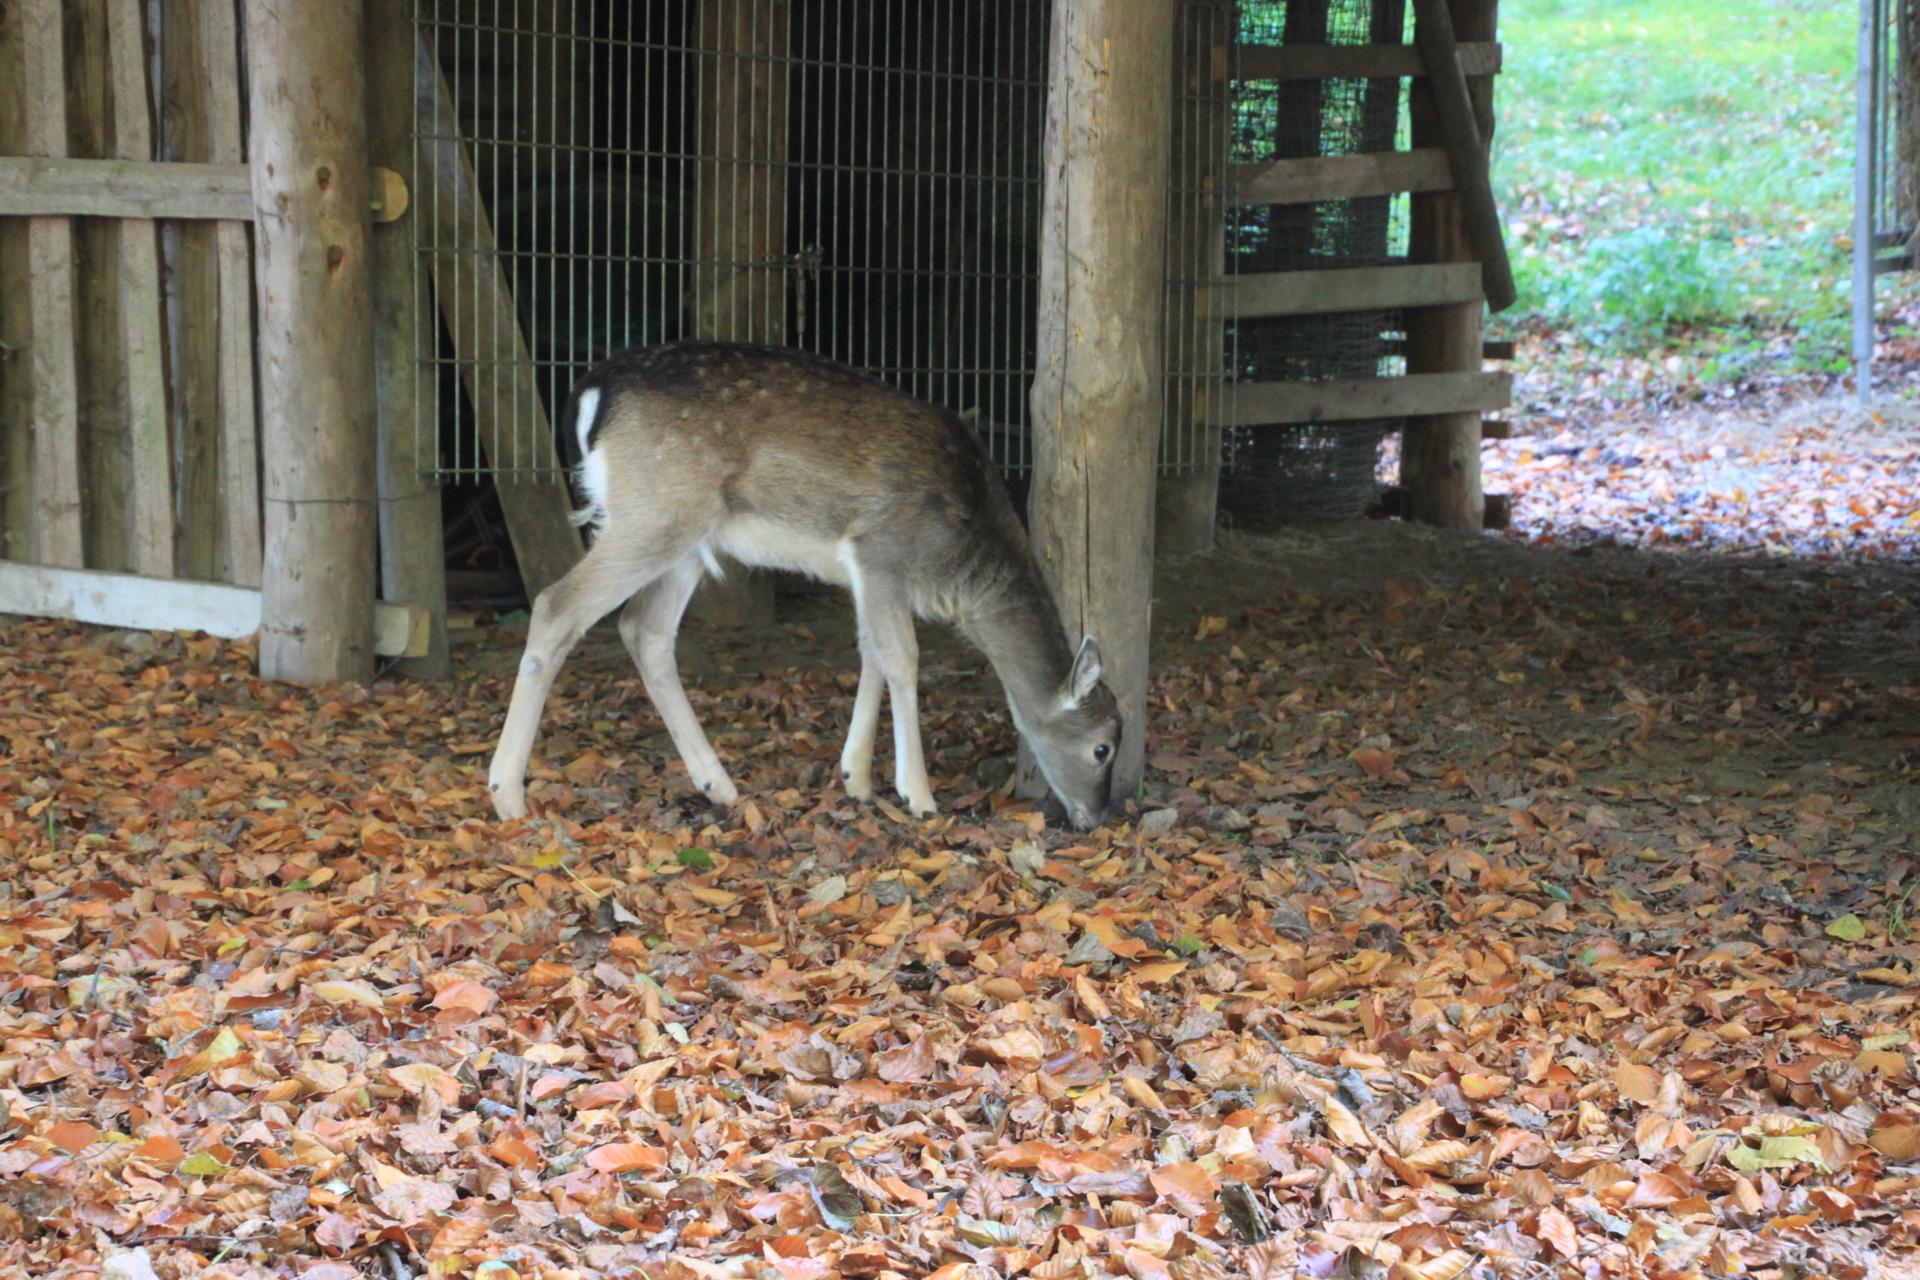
x,y
856,759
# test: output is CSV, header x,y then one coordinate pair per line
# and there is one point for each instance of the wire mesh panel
x,y
1196,333
1286,472
852,178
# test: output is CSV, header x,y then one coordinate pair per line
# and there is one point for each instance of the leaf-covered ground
x,y
1491,911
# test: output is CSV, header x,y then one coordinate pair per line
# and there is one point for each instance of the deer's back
x,y
788,456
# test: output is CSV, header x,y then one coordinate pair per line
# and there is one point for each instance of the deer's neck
x,y
1018,629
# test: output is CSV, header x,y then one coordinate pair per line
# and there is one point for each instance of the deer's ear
x,y
1085,674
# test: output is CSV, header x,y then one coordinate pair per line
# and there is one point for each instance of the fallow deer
x,y
783,460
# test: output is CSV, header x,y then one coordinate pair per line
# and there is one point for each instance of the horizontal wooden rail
x,y
1379,173
1256,404
41,186
1352,61
1308,293
1491,349
171,604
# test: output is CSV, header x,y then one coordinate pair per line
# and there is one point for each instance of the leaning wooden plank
x,y
240,527
1380,173
1255,404
1466,149
56,395
495,362
1352,61
170,604
1306,293
36,186
150,482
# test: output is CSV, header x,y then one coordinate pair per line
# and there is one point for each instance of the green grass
x,y
1680,173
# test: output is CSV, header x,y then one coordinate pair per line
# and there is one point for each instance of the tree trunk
x,y
1440,463
1097,390
312,194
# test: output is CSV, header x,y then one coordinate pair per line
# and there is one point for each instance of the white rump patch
x,y
591,475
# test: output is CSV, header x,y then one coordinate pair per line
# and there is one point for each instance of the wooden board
x,y
166,604
1353,61
16,333
1306,293
1381,173
56,397
495,362
240,523
149,457
1255,404
37,186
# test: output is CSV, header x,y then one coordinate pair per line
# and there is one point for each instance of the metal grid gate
x,y
857,178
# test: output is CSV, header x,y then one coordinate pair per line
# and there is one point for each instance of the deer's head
x,y
1075,738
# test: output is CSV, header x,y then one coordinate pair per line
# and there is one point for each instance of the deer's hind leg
x,y
648,626
886,633
607,575
856,760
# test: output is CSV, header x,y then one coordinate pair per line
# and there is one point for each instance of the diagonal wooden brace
x,y
1462,137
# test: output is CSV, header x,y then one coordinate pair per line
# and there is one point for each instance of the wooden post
x,y
16,329
149,492
1097,391
1440,462
413,565
240,519
56,522
312,193
739,290
1187,500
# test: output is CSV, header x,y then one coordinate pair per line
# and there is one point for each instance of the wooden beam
x,y
1352,61
1097,397
167,604
240,518
1440,453
495,362
413,553
1306,293
1466,149
1381,173
1255,404
1495,429
314,275
56,397
149,453
32,186
37,187
16,327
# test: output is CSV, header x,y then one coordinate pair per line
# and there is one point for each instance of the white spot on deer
x,y
591,475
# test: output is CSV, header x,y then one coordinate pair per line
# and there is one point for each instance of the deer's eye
x,y
1101,752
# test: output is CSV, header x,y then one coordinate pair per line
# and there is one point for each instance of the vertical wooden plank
x,y
190,283
413,566
57,537
739,292
150,459
1098,385
98,356
239,447
312,194
1440,463
16,323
